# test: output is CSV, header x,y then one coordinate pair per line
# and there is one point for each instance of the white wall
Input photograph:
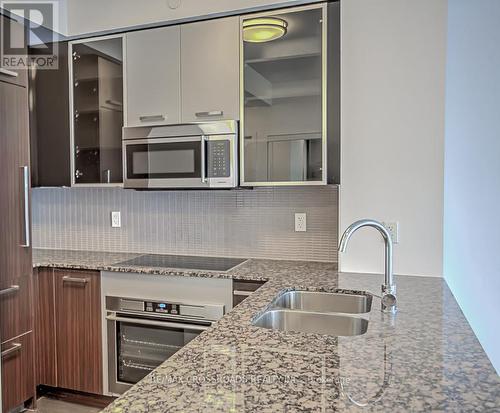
x,y
87,16
393,88
472,167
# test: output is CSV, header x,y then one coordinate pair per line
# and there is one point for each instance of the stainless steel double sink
x,y
335,314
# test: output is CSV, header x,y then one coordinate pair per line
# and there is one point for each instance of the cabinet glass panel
x,y
283,99
97,111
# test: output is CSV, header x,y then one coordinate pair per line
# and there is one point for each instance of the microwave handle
x,y
141,321
203,159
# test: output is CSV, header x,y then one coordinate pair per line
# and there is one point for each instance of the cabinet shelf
x,y
289,57
286,90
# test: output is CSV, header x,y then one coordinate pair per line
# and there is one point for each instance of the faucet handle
x,y
389,299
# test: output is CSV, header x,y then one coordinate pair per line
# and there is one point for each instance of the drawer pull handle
x,y
8,72
152,118
15,348
209,114
68,279
243,293
9,290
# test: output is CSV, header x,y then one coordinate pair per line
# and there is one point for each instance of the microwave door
x,y
165,163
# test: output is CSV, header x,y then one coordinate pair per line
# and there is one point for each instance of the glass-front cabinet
x,y
283,75
96,100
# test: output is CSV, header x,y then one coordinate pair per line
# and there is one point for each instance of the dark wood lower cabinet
x,y
18,384
16,294
69,337
15,252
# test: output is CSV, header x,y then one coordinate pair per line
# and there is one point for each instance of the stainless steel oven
x,y
142,334
199,155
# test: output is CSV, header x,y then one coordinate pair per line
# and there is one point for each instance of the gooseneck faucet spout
x,y
389,287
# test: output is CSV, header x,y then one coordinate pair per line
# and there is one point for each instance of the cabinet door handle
x,y
26,195
11,289
151,118
209,114
15,348
8,72
114,102
68,279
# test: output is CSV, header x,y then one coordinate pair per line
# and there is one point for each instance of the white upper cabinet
x,y
284,119
210,70
153,77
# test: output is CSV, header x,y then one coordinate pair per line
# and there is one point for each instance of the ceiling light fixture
x,y
263,29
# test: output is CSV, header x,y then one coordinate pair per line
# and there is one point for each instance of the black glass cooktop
x,y
184,262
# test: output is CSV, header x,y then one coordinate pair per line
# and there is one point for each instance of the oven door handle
x,y
141,321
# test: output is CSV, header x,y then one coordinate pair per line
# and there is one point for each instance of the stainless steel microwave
x,y
198,155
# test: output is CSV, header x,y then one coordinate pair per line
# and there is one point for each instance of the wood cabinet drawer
x,y
16,315
17,371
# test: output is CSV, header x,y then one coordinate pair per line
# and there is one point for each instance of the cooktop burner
x,y
184,262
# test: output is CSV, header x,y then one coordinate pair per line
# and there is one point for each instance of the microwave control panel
x,y
162,308
219,159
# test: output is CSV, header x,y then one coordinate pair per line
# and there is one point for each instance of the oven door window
x,y
140,349
164,160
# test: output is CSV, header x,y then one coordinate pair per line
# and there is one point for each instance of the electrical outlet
x,y
116,219
300,222
393,228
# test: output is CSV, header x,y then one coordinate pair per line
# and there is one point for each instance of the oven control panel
x,y
162,307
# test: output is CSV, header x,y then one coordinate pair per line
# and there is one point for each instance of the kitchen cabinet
x,y
69,343
15,251
18,383
49,123
16,316
8,74
210,70
286,123
78,330
153,76
96,89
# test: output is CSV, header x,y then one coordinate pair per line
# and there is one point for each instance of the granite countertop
x,y
426,358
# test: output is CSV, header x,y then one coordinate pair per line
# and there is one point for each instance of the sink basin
x,y
322,302
309,322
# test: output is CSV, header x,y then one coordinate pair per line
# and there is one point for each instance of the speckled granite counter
x,y
425,359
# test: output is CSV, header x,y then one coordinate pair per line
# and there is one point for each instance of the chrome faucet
x,y
389,287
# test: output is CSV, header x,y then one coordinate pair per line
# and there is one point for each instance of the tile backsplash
x,y
255,223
